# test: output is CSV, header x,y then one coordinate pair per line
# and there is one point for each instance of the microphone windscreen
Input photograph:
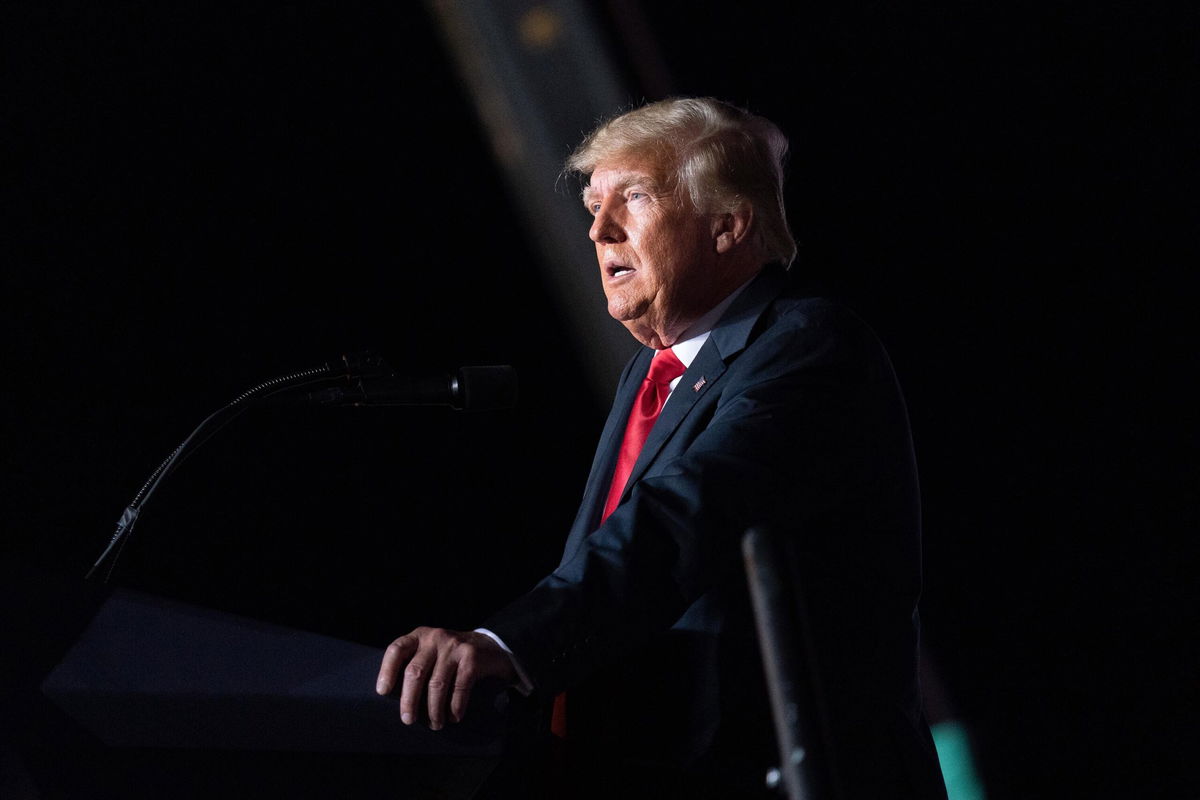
x,y
487,388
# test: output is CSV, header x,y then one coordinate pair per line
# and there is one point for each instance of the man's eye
x,y
594,208
636,195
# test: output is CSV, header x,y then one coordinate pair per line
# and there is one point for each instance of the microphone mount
x,y
357,379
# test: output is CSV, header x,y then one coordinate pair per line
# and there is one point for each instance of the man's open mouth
x,y
617,270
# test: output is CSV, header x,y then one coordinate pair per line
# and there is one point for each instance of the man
x,y
788,417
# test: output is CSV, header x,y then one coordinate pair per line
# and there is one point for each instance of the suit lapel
x,y
704,373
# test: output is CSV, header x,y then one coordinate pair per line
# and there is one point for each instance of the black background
x,y
199,197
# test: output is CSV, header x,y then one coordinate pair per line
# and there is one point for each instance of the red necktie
x,y
652,394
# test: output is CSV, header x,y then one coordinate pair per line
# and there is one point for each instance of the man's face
x,y
657,255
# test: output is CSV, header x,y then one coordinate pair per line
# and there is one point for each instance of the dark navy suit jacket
x,y
790,417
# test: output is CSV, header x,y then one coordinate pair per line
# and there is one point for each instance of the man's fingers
x,y
439,687
416,675
394,657
463,682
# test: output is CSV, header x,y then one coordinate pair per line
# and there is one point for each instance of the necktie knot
x,y
665,367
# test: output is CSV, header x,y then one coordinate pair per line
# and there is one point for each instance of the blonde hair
x,y
722,157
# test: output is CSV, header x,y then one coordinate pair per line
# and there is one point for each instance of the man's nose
x,y
605,227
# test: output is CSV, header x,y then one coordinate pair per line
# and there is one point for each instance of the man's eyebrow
x,y
621,184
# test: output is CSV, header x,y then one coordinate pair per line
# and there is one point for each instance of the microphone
x,y
469,389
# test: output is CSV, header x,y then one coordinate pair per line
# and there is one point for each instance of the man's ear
x,y
731,229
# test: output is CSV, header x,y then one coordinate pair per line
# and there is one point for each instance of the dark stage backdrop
x,y
201,197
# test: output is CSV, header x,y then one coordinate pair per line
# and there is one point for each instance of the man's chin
x,y
624,312
635,320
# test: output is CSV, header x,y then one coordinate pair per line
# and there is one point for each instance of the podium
x,y
153,673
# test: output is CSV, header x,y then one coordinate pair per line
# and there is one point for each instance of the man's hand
x,y
442,666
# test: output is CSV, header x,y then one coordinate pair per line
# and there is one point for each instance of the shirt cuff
x,y
524,686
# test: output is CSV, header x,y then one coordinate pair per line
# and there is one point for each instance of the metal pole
x,y
805,769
